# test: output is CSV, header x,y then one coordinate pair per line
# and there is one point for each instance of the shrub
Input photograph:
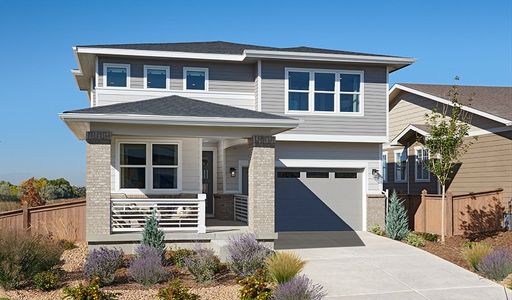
x,y
431,237
47,280
496,265
152,235
203,265
177,256
415,240
283,266
474,252
22,256
255,287
175,291
299,288
67,244
147,268
103,263
246,255
397,221
87,292
375,229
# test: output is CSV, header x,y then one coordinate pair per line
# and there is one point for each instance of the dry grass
x,y
59,229
475,252
283,266
9,205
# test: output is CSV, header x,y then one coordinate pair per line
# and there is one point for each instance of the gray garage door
x,y
318,200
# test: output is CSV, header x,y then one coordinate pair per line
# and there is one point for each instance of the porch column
x,y
261,184
98,183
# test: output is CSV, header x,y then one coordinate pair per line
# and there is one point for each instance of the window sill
x,y
324,113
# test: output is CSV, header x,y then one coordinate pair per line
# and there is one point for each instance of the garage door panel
x,y
318,204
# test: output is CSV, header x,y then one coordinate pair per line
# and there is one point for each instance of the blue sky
x,y
471,39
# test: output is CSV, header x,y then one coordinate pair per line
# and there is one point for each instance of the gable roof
x,y
411,132
492,102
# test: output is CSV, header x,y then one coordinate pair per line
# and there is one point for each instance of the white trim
x,y
241,164
386,169
259,78
96,77
337,92
447,102
167,70
148,166
364,207
330,138
128,76
387,103
395,173
489,131
404,132
206,78
416,164
320,163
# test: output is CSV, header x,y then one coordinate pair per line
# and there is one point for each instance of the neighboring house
x,y
222,138
488,163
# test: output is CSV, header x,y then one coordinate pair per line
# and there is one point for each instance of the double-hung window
x,y
156,77
195,79
385,166
324,91
401,165
148,166
421,165
116,75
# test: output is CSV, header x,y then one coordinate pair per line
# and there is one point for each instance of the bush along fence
x,y
65,220
466,214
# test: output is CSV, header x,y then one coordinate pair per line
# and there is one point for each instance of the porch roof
x,y
411,133
176,111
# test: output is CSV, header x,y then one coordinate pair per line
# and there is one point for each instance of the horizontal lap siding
x,y
373,122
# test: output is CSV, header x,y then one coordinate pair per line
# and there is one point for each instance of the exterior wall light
x,y
232,172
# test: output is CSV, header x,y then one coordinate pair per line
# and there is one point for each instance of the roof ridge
x,y
458,85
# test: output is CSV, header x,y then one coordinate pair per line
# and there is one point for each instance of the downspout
x,y
407,167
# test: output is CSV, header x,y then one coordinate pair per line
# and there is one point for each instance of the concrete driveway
x,y
365,266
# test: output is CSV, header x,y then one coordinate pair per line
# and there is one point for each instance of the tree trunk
x,y
443,205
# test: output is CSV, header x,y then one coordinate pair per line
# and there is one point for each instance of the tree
x,y
152,235
447,143
30,194
397,220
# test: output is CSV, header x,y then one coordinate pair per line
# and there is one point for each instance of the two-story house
x,y
221,138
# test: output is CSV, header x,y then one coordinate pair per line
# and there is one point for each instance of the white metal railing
x,y
129,215
241,208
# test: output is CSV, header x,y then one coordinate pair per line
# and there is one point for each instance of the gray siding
x,y
373,123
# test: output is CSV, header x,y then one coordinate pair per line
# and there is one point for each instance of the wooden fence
x,y
65,220
465,214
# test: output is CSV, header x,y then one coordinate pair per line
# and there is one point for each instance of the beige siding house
x,y
488,163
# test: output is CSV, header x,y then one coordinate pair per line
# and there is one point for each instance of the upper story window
x,y
324,91
385,166
401,165
116,75
421,165
195,79
156,77
148,166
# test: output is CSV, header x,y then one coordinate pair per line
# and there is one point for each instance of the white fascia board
x,y
328,57
330,138
394,142
321,163
179,120
397,87
166,54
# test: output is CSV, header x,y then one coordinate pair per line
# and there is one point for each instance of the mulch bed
x,y
452,249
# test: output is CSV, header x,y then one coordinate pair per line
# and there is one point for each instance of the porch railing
x,y
241,208
129,215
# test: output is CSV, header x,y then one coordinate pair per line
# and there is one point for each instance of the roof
x,y
222,47
411,132
177,106
488,101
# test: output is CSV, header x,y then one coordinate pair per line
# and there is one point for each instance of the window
x,y
401,165
324,91
385,166
116,75
288,174
195,79
149,166
345,175
156,77
421,165
298,91
317,174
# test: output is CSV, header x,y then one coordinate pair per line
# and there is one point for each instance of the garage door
x,y
318,199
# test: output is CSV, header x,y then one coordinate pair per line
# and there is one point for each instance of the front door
x,y
208,180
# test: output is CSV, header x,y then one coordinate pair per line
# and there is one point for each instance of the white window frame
x,y
385,166
337,92
400,152
167,70
206,78
422,149
128,76
148,167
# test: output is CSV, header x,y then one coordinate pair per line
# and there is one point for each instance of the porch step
x,y
221,249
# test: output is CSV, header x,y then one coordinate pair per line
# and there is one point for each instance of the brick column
x,y
98,183
261,184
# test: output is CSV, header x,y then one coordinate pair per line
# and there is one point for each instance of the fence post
x,y
449,214
26,218
423,204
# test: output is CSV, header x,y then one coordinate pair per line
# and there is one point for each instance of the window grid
x,y
421,165
401,166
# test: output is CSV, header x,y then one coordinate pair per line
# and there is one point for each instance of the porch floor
x,y
216,226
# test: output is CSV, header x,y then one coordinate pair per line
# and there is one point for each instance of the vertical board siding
x,y
373,123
